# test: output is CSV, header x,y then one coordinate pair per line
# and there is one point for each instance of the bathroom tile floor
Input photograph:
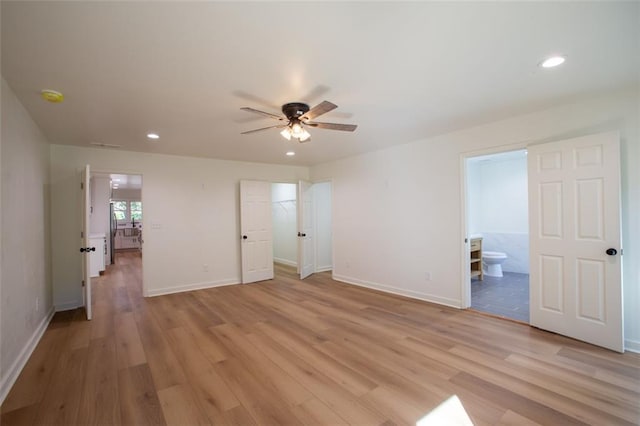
x,y
507,296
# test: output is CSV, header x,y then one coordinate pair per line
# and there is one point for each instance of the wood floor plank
x,y
139,403
313,351
326,390
179,406
35,377
165,368
100,403
129,348
61,402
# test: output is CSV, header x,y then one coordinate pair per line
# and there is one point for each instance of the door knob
x,y
244,237
612,252
300,234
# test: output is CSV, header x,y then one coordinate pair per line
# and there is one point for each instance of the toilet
x,y
492,263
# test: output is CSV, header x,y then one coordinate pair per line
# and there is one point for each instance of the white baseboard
x,y
401,292
285,261
632,346
16,367
190,287
324,268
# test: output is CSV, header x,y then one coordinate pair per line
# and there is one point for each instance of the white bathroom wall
x,y
284,208
26,301
191,210
322,221
498,206
99,220
397,212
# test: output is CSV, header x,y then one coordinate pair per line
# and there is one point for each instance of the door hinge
x,y
621,252
81,185
81,234
82,283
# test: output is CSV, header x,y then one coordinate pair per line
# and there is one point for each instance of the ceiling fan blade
x,y
322,108
268,114
333,126
263,128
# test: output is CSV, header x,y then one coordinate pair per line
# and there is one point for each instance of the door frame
x,y
465,284
144,209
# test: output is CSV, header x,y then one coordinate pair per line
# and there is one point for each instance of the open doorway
x,y
284,215
116,218
289,229
498,227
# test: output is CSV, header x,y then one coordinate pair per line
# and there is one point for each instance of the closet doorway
x,y
310,226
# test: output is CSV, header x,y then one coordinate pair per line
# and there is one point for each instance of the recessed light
x,y
553,61
290,153
153,136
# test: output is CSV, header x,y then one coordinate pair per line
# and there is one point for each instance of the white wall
x,y
322,221
501,196
128,194
191,214
99,222
25,283
285,223
498,207
397,212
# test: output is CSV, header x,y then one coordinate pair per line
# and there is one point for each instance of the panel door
x,y
256,229
574,214
306,243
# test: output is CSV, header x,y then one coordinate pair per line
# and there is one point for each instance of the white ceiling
x,y
401,71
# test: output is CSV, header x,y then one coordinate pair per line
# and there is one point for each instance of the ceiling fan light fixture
x,y
296,130
286,133
304,136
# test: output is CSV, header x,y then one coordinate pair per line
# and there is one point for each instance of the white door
x,y
574,216
306,246
256,230
85,246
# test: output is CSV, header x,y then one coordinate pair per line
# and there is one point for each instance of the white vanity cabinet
x,y
97,257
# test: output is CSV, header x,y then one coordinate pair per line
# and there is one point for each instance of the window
x,y
120,210
136,210
125,211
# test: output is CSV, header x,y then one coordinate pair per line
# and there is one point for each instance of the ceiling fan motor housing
x,y
294,110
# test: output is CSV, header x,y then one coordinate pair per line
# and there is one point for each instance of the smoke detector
x,y
52,96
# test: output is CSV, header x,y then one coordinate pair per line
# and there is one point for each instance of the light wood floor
x,y
306,352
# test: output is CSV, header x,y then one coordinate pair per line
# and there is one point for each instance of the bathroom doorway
x,y
498,228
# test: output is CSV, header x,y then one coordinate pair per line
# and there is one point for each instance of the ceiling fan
x,y
297,115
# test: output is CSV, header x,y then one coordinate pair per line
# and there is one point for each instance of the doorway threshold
x,y
492,315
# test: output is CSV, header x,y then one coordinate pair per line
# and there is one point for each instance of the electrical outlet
x,y
347,265
427,276
37,304
205,268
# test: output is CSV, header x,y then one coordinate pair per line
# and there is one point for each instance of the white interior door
x,y
574,216
85,248
306,246
256,228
